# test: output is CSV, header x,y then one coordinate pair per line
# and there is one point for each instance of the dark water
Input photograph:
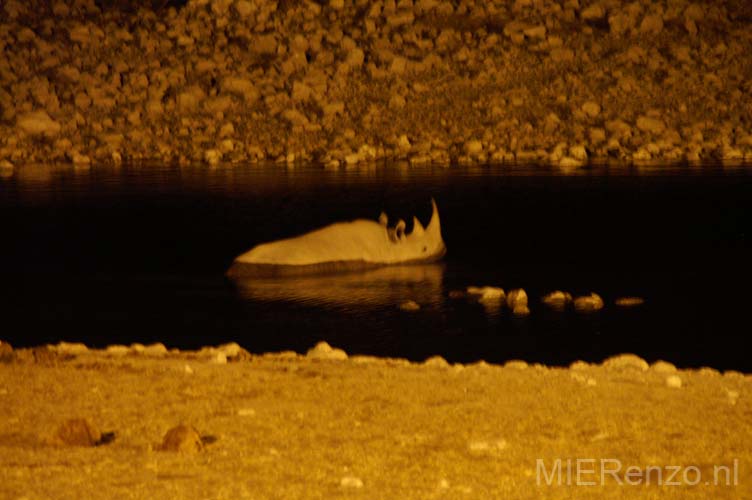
x,y
137,254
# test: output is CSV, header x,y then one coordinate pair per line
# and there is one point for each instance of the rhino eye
x,y
424,249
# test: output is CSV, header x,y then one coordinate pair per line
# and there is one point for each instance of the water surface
x,y
137,254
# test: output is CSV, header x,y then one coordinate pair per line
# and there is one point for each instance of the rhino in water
x,y
358,244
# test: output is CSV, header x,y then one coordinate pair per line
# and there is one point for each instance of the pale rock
x,y
487,293
517,302
578,152
37,123
117,350
651,23
355,58
593,12
226,130
473,147
664,367
535,32
674,381
592,109
398,66
650,125
557,299
337,4
80,160
156,350
588,303
436,362
295,117
516,364
242,87
351,481
562,55
244,8
621,362
79,33
183,438
324,351
212,156
409,306
190,98
400,18
73,348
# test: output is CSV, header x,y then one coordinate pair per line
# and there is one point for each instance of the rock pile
x,y
349,81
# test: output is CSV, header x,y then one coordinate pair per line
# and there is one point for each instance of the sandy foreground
x,y
325,425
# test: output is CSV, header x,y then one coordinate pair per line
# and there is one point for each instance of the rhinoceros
x,y
353,245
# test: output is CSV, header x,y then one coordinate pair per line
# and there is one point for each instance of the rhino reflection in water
x,y
358,244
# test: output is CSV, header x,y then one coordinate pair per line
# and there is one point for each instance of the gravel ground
x,y
326,425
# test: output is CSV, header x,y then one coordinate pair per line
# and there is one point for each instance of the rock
x,y
593,12
190,98
77,432
663,367
588,303
651,23
650,125
183,438
517,300
212,156
156,350
117,350
557,300
674,381
324,351
409,306
351,481
242,87
72,348
487,293
592,109
436,362
516,364
561,55
37,123
473,147
625,362
629,301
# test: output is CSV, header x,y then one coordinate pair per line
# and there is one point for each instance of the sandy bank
x,y
328,426
344,82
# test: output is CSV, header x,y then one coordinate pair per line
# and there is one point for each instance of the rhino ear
x,y
383,219
399,229
417,227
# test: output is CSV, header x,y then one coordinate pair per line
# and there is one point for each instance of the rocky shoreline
x,y
341,82
220,422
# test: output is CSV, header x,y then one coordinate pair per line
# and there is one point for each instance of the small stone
x,y
156,350
436,362
212,156
661,366
487,293
591,108
77,432
651,23
73,348
516,364
517,298
588,303
473,147
625,362
557,300
629,301
324,351
561,55
409,305
117,350
38,123
351,482
593,12
183,438
674,381
650,125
